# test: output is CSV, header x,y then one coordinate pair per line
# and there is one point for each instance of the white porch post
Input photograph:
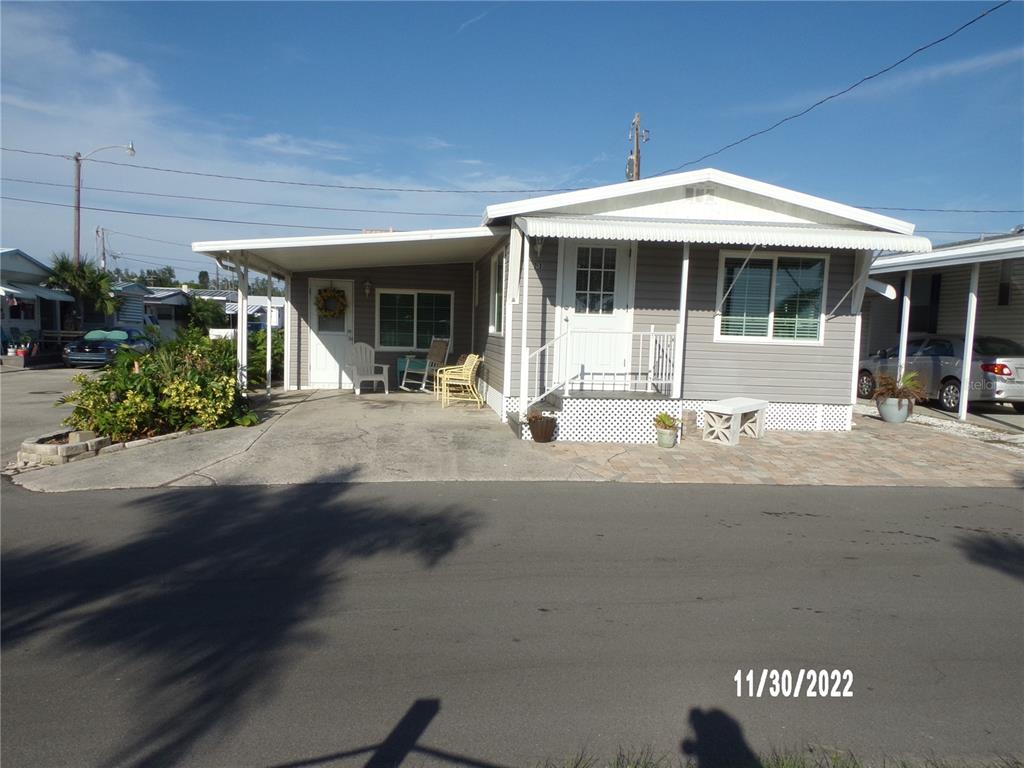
x,y
287,310
677,360
269,336
908,281
242,327
524,350
862,266
965,370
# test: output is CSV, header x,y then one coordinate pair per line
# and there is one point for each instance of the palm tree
x,y
86,283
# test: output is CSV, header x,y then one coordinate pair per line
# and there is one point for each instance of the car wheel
x,y
949,395
865,384
1018,407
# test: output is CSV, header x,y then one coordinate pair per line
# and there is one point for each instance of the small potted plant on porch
x,y
895,398
542,428
667,426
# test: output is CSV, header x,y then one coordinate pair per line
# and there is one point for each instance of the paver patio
x,y
317,437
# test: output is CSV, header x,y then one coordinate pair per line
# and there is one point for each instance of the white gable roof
x,y
707,195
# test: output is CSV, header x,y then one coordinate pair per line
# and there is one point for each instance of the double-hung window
x,y
771,298
410,319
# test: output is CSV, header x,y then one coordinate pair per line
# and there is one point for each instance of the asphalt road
x,y
27,400
501,624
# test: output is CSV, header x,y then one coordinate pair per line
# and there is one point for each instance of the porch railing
x,y
615,361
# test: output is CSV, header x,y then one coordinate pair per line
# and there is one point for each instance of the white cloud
x,y
897,81
59,96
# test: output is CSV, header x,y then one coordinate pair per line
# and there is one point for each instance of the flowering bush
x,y
182,384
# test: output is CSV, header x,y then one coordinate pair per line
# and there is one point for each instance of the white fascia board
x,y
993,250
628,188
214,247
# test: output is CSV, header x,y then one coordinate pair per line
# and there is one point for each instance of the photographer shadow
x,y
718,741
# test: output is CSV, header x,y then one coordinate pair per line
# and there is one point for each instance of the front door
x,y
595,310
330,336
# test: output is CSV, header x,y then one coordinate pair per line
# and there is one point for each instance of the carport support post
x,y
524,351
242,328
287,322
677,361
965,368
908,281
269,336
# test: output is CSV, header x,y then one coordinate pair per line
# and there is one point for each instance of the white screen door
x,y
329,338
595,310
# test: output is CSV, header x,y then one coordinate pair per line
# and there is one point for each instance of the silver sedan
x,y
997,369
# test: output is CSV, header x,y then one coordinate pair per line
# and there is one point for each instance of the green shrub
x,y
257,368
181,384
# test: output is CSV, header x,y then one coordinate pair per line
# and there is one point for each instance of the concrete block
x,y
97,443
81,436
85,455
114,447
72,449
29,446
137,443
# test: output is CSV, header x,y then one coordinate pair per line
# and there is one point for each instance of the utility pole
x,y
638,135
76,244
101,247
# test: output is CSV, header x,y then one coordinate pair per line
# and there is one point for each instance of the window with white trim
x,y
497,308
771,298
410,319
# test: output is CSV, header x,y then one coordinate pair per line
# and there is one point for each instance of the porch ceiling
x,y
310,254
718,232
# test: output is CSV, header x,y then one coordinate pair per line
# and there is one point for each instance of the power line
x,y
143,237
836,95
242,202
943,210
186,218
363,187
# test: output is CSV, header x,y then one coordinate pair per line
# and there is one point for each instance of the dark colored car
x,y
99,347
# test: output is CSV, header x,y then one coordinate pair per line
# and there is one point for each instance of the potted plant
x,y
895,399
542,428
666,425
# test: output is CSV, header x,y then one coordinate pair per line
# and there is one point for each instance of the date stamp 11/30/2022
x,y
789,684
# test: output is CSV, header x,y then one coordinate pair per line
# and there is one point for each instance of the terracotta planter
x,y
542,429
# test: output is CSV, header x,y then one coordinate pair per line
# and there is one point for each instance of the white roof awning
x,y
33,291
957,254
372,249
718,233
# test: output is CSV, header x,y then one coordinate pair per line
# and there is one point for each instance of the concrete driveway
x,y
332,437
27,399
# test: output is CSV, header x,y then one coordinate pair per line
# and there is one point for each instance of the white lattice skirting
x,y
593,420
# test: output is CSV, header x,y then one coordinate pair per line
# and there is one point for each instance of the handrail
x,y
535,357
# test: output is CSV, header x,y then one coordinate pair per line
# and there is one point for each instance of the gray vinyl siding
x,y
443,277
882,317
491,346
776,372
712,370
541,307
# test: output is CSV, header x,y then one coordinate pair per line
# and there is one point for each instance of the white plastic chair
x,y
363,368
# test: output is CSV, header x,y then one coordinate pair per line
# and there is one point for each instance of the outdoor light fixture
x,y
367,288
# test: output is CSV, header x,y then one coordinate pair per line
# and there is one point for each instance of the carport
x,y
1007,250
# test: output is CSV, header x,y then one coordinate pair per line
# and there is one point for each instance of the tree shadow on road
x,y
1001,553
217,594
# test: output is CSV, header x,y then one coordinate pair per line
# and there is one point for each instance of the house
x,y
962,289
28,307
606,305
257,305
167,308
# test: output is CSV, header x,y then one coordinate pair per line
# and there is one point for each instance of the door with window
x,y
330,334
595,310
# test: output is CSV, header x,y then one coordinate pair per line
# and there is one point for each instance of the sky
x,y
488,96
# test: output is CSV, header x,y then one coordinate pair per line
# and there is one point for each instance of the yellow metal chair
x,y
440,373
459,384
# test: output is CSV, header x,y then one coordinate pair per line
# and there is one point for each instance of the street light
x,y
78,157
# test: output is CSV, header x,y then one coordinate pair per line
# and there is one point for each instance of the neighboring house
x,y
168,308
607,304
131,309
257,305
28,307
934,292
